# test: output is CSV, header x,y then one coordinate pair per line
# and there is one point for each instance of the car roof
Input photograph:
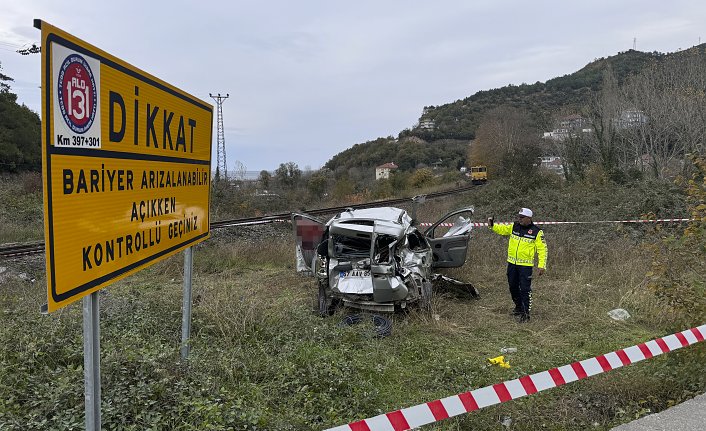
x,y
389,214
387,220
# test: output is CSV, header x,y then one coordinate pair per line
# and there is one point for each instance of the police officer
x,y
526,240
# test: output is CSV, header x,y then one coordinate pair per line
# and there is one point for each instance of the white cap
x,y
526,212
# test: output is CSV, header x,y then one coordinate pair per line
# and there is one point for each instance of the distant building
x,y
630,118
383,171
426,124
573,121
644,161
552,164
265,194
557,134
569,126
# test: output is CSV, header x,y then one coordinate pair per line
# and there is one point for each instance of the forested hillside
x,y
529,108
460,119
20,138
407,153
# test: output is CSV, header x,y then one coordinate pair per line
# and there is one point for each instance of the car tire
x,y
326,305
382,325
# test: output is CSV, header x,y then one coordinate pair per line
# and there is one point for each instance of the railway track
x,y
36,247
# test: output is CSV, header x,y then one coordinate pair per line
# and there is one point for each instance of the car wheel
x,y
382,326
326,305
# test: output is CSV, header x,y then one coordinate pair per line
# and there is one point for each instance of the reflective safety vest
x,y
525,241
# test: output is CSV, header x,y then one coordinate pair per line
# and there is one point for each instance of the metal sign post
x,y
92,361
186,309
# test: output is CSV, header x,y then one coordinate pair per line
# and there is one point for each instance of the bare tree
x,y
602,111
571,144
670,97
239,170
500,135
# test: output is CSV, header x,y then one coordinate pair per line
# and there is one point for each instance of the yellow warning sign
x,y
126,167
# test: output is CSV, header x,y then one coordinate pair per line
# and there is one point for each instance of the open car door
x,y
308,233
450,248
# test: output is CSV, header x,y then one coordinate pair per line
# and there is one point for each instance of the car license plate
x,y
355,273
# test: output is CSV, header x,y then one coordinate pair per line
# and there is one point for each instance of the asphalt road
x,y
687,416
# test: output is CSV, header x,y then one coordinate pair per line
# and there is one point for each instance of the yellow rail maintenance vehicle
x,y
479,174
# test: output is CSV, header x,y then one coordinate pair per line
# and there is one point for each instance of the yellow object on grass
x,y
499,360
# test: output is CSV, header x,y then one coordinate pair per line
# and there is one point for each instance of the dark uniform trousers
x,y
519,278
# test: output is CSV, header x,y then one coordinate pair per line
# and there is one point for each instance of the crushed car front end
x,y
373,259
376,259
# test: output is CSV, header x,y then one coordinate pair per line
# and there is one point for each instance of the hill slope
x,y
459,119
455,123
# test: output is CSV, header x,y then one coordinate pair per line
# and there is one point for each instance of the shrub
x,y
678,275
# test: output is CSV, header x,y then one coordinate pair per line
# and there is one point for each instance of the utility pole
x,y
222,166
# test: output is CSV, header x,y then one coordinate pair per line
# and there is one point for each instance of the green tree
x,y
4,86
399,180
382,189
288,175
265,178
317,185
343,188
20,138
421,177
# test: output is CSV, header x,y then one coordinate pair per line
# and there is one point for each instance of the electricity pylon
x,y
222,166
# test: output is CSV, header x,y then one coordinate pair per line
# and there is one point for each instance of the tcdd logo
x,y
78,98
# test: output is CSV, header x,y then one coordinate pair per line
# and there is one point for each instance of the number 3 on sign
x,y
79,94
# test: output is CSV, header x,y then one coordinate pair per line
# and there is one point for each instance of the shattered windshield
x,y
350,247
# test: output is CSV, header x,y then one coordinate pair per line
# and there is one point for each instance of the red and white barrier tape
x,y
466,402
662,220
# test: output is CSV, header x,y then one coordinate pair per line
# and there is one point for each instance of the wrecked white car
x,y
376,259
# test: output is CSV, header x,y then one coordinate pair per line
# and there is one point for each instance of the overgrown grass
x,y
21,208
261,359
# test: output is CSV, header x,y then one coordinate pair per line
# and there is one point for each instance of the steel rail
x,y
35,247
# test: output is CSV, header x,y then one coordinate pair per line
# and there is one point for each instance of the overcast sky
x,y
308,79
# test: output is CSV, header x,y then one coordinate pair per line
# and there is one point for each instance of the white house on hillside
x,y
383,171
427,124
553,164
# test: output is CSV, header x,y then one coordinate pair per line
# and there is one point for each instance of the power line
x,y
222,166
12,45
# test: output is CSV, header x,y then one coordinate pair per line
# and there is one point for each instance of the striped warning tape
x,y
466,402
661,220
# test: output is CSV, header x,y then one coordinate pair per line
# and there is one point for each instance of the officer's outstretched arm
x,y
502,229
